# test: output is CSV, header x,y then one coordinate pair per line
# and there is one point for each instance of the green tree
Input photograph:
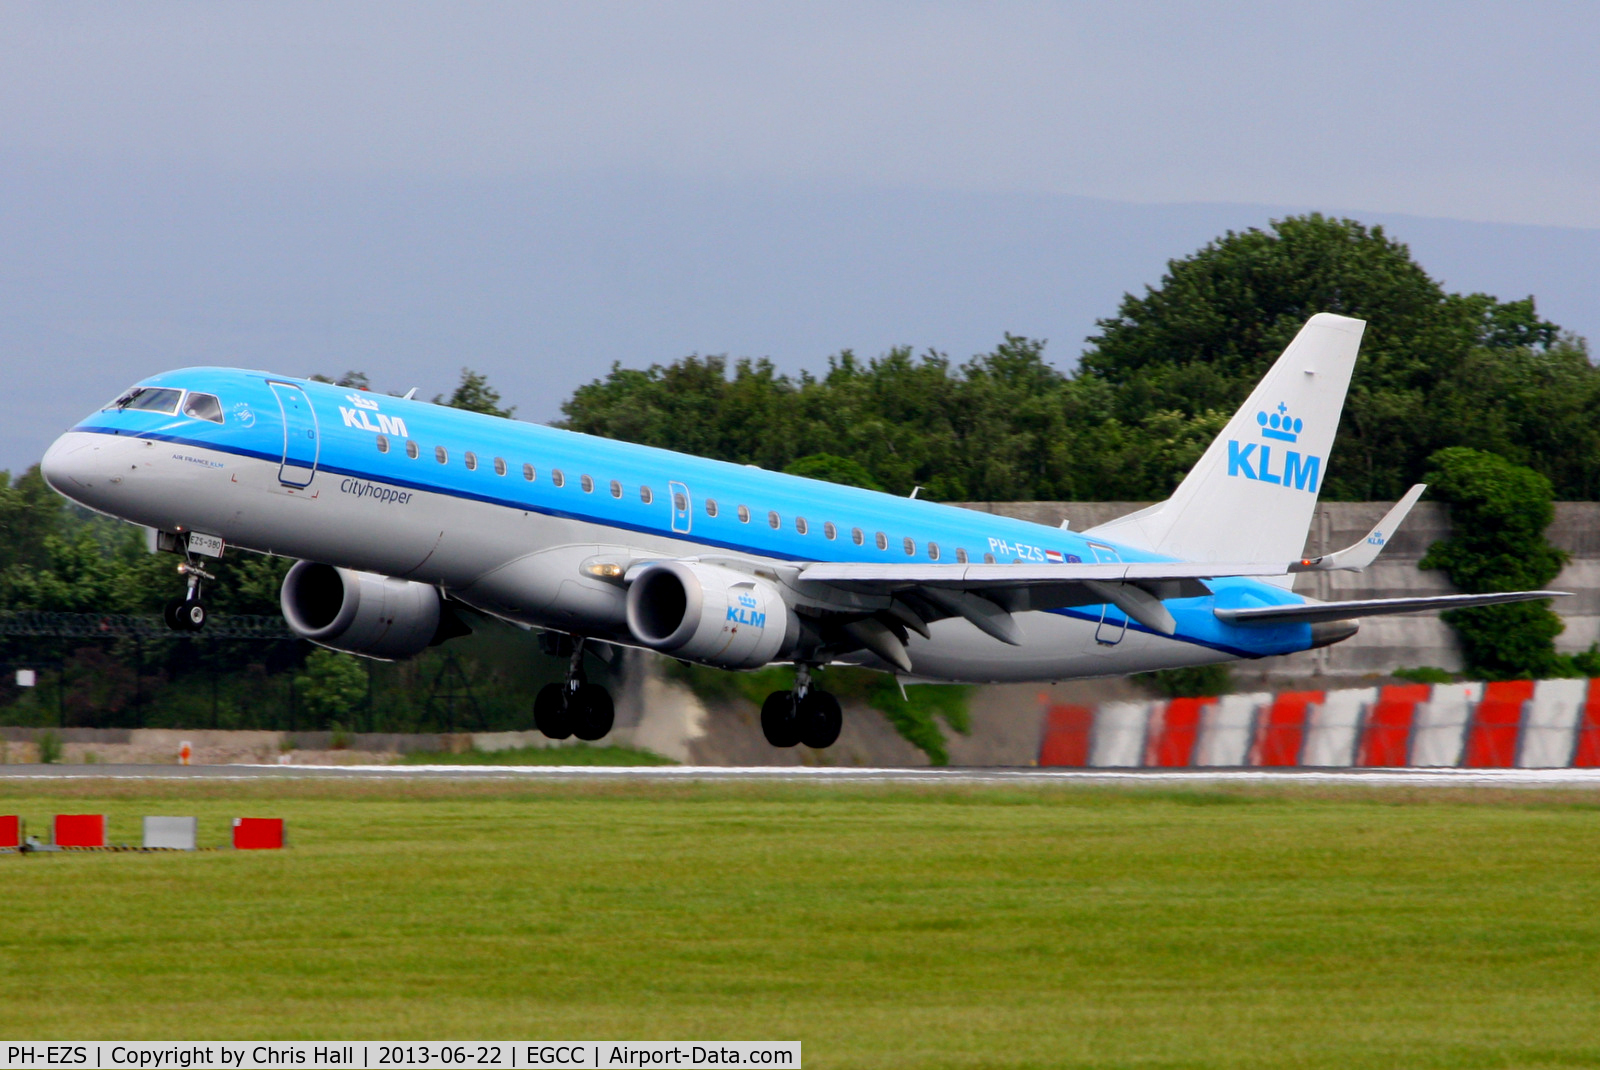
x,y
833,469
475,394
1498,514
332,687
1203,338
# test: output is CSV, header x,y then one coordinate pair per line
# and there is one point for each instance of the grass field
x,y
881,926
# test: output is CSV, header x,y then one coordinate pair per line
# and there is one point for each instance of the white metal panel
x,y
172,833
1331,738
1227,728
1119,733
1550,725
1439,731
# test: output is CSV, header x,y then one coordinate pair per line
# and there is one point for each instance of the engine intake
x,y
710,614
360,612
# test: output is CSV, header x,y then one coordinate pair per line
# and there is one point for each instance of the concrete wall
x,y
1385,643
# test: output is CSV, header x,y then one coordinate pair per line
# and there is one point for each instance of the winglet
x,y
1359,556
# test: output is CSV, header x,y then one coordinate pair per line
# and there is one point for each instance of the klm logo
x,y
1255,460
745,612
357,417
748,617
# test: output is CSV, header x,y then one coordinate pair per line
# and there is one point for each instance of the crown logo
x,y
748,601
1279,425
360,402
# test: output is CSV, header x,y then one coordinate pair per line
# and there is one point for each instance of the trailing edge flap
x,y
1312,612
1356,557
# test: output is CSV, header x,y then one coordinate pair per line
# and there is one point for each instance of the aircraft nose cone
x,y
73,465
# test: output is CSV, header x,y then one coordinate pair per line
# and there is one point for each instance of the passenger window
x,y
586,483
744,514
646,495
857,537
499,466
773,521
961,555
472,461
829,531
440,455
528,473
383,444
679,502
988,559
411,449
882,541
203,407
711,507
557,478
616,489
800,524
911,547
933,551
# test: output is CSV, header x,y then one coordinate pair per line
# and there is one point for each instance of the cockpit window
x,y
149,399
203,407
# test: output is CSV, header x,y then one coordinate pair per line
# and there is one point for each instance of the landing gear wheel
x,y
592,712
192,616
550,713
819,719
183,615
778,721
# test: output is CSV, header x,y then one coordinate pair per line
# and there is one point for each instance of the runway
x,y
1432,778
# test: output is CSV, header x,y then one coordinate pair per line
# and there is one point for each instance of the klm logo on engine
x,y
357,417
745,613
1256,460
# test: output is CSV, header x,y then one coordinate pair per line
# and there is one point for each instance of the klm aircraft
x,y
402,514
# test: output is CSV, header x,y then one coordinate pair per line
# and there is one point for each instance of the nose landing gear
x,y
806,715
188,614
574,707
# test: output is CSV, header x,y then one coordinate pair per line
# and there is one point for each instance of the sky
x,y
539,190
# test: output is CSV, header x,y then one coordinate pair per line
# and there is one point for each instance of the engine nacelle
x,y
710,614
360,612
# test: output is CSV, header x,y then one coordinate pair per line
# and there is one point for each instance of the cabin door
x,y
300,443
681,515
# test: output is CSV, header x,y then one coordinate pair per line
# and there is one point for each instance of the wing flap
x,y
1313,612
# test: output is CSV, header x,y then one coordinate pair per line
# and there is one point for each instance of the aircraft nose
x,y
73,465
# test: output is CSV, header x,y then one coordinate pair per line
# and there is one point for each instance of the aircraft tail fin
x,y
1252,495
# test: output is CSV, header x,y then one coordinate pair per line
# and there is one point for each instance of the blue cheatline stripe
x,y
1077,613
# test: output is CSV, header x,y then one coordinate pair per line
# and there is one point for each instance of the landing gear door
x,y
681,514
300,439
1113,622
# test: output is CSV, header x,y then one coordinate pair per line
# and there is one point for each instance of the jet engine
x,y
710,614
360,612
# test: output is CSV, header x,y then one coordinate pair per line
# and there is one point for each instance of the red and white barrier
x,y
1541,724
10,832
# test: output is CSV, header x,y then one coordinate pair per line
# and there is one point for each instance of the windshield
x,y
149,399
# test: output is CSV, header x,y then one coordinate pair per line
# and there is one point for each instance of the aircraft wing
x,y
988,595
1311,612
969,577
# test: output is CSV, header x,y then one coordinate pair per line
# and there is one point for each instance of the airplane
x,y
403,514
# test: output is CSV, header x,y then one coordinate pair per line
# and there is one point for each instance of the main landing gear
x,y
806,715
188,614
574,707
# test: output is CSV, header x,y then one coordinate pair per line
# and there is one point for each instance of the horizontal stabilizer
x,y
1312,612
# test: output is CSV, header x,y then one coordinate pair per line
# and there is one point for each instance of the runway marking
x,y
1457,778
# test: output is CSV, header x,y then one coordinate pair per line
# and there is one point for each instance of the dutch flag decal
x,y
1053,555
